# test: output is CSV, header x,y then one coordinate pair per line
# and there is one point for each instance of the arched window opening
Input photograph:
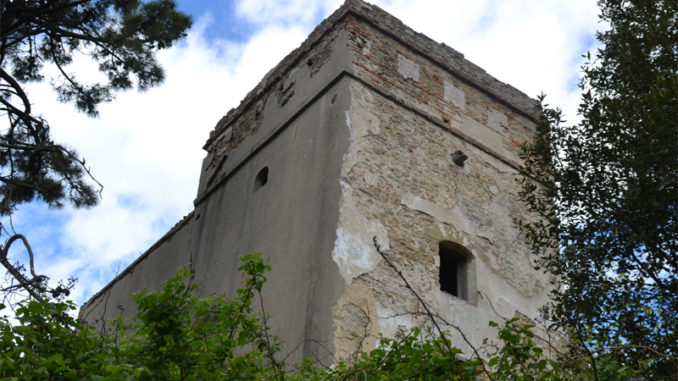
x,y
261,179
455,267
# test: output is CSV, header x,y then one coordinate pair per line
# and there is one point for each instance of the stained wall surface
x,y
290,219
400,185
408,115
356,129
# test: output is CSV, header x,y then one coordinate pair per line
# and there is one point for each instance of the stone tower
x,y
368,129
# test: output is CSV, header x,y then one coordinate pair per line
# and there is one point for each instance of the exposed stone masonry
x,y
356,130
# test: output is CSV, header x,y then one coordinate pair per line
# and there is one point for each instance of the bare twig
x,y
269,347
431,316
328,352
590,355
32,286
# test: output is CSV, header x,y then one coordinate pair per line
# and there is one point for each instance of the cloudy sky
x,y
146,147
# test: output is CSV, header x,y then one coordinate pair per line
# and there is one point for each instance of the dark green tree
x,y
122,36
606,190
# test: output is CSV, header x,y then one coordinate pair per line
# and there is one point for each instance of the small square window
x,y
261,179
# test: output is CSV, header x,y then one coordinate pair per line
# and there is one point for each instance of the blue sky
x,y
225,25
146,148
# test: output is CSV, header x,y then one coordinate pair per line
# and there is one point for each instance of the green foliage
x,y
606,188
521,359
122,36
421,355
48,344
417,354
521,355
178,336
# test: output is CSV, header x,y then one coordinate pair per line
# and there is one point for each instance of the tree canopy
x,y
606,190
122,36
45,36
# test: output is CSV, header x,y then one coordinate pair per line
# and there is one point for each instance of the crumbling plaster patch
x,y
354,251
497,120
358,331
400,184
452,216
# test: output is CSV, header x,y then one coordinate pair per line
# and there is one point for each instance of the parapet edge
x,y
178,226
441,54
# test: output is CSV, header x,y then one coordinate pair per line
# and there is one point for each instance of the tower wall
x,y
356,129
291,219
409,113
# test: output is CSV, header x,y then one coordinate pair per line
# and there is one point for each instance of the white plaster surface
x,y
408,68
453,216
390,322
497,119
455,95
354,250
227,134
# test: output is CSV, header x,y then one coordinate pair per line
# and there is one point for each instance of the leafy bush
x,y
178,336
175,336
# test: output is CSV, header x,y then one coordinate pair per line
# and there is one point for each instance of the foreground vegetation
x,y
178,336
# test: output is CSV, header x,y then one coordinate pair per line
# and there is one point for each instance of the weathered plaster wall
x,y
408,115
284,93
291,220
428,87
399,184
293,122
356,128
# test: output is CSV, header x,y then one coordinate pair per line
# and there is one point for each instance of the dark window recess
x,y
261,179
454,264
449,270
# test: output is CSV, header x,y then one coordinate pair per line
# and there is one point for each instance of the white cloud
x,y
146,148
287,12
533,45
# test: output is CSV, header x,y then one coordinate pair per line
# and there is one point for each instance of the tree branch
x,y
17,87
29,285
36,13
428,311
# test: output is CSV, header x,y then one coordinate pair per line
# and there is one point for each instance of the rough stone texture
x,y
389,67
403,188
357,127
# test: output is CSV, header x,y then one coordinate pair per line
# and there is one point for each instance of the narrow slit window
x,y
454,269
261,179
